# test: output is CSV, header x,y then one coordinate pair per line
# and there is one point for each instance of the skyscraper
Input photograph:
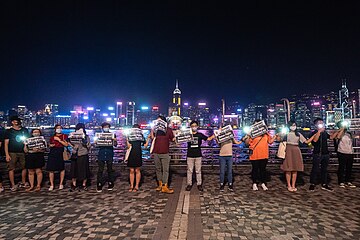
x,y
130,113
344,101
175,107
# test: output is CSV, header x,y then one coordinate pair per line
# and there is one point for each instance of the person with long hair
x,y
34,162
80,159
293,162
55,162
134,161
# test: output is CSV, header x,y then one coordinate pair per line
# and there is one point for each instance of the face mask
x,y
293,128
58,130
106,129
36,134
194,129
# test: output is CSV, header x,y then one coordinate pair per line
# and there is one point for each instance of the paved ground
x,y
243,214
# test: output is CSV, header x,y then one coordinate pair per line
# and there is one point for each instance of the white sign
x,y
159,125
258,129
224,134
104,139
77,136
135,134
35,143
183,136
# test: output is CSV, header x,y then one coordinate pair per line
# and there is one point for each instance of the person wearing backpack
x,y
345,153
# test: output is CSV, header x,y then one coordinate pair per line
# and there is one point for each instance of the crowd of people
x,y
32,160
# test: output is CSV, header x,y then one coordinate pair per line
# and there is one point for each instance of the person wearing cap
x,y
14,150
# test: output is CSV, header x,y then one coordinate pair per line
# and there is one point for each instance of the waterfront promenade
x,y
147,214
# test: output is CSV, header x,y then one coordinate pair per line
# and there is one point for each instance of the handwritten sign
x,y
183,136
35,143
159,125
258,129
77,137
104,139
135,134
225,134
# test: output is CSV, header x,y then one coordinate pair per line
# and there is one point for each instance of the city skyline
x,y
75,53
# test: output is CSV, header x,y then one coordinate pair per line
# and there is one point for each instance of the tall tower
x,y
176,101
344,101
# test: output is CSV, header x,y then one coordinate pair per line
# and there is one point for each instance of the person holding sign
x,y
161,155
293,162
80,158
106,155
226,162
134,142
35,160
194,156
55,162
259,155
14,150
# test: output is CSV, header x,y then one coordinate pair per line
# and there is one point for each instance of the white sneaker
x,y
342,185
264,187
61,187
2,189
350,185
254,187
51,188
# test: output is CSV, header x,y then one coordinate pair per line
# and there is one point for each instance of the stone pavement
x,y
147,214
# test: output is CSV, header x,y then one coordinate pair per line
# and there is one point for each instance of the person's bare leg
x,y
11,178
51,178
288,179
23,176
131,179
31,178
39,177
138,177
294,176
62,176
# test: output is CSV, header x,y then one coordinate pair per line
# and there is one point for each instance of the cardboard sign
x,y
35,143
76,137
258,129
159,125
135,134
183,136
225,134
104,139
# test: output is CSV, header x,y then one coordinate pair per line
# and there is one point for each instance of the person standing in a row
x,y
55,163
35,161
14,151
259,158
162,157
80,160
345,153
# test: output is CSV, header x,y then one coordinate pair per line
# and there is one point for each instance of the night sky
x,y
97,52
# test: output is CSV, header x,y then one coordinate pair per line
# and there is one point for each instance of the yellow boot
x,y
165,189
159,187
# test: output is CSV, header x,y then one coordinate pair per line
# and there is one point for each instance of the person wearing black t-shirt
x,y
194,156
14,150
320,156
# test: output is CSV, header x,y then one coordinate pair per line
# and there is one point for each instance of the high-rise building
x,y
119,112
130,113
344,101
175,106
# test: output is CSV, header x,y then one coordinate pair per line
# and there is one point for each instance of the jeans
x,y
110,171
320,164
162,163
345,167
258,172
226,161
191,162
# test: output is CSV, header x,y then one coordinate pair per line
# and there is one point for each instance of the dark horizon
x,y
73,53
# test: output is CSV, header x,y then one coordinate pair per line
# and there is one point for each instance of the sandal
x,y
290,189
131,189
30,189
37,189
136,190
